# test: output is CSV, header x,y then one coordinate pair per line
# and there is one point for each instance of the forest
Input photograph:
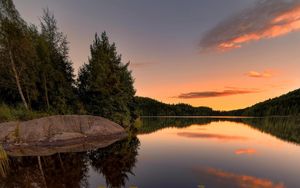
x,y
150,107
285,105
37,77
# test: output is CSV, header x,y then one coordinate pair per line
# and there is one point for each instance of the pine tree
x,y
57,74
105,84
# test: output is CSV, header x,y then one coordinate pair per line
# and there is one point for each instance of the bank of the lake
x,y
53,134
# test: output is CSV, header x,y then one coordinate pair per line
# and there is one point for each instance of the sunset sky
x,y
222,54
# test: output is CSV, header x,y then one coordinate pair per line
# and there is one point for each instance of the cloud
x,y
211,136
239,180
266,19
245,151
255,74
207,94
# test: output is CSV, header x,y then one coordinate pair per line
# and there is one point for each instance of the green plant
x,y
4,165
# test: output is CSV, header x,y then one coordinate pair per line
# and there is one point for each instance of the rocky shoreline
x,y
61,133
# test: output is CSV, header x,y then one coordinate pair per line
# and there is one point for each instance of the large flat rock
x,y
59,131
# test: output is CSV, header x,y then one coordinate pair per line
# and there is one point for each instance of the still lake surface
x,y
183,152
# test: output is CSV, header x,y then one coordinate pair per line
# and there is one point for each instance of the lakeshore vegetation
x,y
37,77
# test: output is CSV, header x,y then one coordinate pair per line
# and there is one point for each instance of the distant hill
x,y
288,104
150,107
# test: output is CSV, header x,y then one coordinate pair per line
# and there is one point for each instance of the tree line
x,y
150,107
285,105
37,73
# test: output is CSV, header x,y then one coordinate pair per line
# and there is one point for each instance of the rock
x,y
59,131
66,147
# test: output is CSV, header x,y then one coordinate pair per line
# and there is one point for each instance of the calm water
x,y
174,152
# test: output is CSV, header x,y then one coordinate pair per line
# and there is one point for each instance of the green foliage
x,y
17,56
4,164
5,113
35,71
285,105
150,107
105,84
8,113
35,68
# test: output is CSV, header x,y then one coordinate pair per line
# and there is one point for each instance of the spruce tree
x,y
56,71
105,84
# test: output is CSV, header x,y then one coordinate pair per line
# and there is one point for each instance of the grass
x,y
4,165
8,113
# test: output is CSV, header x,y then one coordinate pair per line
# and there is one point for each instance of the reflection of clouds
x,y
201,128
239,180
248,151
211,136
267,19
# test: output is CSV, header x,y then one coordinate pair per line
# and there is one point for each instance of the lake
x,y
183,152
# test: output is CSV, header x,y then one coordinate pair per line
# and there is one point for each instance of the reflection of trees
x,y
71,169
286,128
116,161
59,170
153,124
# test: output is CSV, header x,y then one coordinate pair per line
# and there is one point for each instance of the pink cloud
x,y
207,94
255,74
265,20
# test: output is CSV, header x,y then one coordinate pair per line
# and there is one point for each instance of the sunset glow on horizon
x,y
198,52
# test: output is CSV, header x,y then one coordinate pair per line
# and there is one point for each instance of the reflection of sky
x,y
229,179
168,159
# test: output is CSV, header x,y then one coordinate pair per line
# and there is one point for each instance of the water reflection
x,y
248,151
221,152
71,169
219,177
211,136
115,162
214,152
286,128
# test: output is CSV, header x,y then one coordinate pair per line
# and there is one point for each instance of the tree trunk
x,y
28,98
61,162
46,92
42,171
13,66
